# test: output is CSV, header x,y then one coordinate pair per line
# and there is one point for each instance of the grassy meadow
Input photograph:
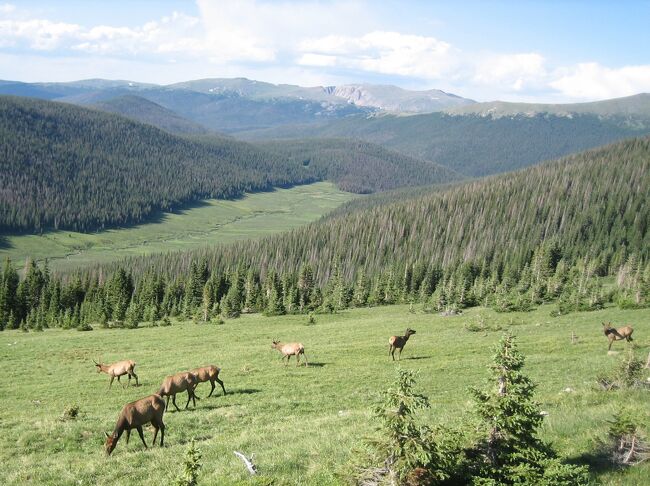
x,y
300,423
213,221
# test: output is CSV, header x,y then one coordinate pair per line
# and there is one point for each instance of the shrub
x,y
71,412
628,373
191,466
625,445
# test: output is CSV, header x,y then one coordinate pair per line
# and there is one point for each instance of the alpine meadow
x,y
324,243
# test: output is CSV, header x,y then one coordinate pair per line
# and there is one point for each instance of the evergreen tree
x,y
251,292
361,291
232,303
274,306
404,452
305,286
510,452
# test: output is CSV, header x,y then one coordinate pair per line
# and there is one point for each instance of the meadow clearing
x,y
205,224
300,423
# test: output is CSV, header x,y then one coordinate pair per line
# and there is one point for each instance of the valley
x,y
211,222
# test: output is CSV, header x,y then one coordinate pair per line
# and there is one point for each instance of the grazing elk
x,y
209,373
614,334
118,369
398,342
136,414
290,349
178,383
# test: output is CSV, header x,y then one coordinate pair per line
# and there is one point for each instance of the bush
x,y
191,466
71,412
403,452
85,327
480,325
628,373
164,322
625,446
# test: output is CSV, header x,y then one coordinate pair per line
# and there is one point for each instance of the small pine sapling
x,y
509,450
191,466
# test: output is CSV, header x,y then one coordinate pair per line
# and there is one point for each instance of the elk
x,y
209,373
398,342
136,414
614,334
118,369
290,349
178,383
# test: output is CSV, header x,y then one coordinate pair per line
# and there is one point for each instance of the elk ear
x,y
106,434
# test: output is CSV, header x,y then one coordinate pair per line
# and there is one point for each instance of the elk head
x,y
99,366
409,331
275,344
111,442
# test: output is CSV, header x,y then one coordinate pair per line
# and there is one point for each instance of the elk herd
x,y
150,410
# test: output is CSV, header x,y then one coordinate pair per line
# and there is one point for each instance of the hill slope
x,y
472,145
636,107
359,166
595,202
69,167
145,111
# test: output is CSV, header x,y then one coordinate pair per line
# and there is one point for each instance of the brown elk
x,y
209,373
290,349
398,342
118,369
178,383
614,334
136,414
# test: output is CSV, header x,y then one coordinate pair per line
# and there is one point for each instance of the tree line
x,y
41,300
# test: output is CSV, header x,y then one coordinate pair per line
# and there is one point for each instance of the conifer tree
x,y
232,303
509,451
251,292
361,291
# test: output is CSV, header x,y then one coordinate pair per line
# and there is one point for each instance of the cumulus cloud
x,y
593,81
381,52
517,71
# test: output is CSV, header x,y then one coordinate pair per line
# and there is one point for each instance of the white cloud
x,y
593,81
381,52
38,34
516,71
7,8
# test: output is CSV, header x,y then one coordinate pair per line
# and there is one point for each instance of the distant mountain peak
x,y
395,99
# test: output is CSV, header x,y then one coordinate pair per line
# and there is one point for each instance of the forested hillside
x,y
513,241
472,145
145,111
68,167
594,203
375,168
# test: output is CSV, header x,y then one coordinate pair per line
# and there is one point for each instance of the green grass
x,y
214,221
300,423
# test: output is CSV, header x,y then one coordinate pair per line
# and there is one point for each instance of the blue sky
x,y
547,51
